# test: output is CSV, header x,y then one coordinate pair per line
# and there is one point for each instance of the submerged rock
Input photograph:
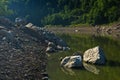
x,y
94,55
72,61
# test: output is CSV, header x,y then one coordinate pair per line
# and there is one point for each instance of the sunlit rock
x,y
72,62
1,27
51,44
50,49
94,55
59,47
29,25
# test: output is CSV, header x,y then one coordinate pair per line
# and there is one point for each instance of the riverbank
x,y
23,48
113,30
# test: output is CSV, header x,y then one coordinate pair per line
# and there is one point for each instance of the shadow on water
x,y
112,63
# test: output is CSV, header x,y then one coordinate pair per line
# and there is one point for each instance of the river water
x,y
80,43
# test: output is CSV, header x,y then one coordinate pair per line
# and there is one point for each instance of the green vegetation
x,y
84,11
4,10
64,12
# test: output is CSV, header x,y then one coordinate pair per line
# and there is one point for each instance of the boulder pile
x,y
22,50
54,43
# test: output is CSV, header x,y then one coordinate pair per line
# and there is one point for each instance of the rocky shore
x,y
113,30
23,48
22,57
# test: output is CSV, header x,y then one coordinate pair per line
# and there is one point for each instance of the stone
x,y
59,47
50,49
45,78
72,62
20,21
61,42
94,55
66,48
29,25
51,44
1,27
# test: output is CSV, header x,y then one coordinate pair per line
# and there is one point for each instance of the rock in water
x,y
72,62
94,55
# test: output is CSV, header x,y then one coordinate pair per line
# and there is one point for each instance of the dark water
x,y
77,42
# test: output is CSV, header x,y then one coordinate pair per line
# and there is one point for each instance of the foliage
x,y
64,12
84,11
4,10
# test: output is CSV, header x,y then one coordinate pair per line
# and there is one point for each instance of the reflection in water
x,y
91,68
88,67
68,71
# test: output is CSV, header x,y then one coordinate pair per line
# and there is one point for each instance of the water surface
x,y
77,42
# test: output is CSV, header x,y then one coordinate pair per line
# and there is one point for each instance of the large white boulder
x,y
72,62
94,55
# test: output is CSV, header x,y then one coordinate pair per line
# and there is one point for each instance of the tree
x,y
4,10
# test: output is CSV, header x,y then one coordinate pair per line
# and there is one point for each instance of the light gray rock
x,y
45,78
51,44
1,27
65,48
94,55
29,25
50,49
59,47
72,62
